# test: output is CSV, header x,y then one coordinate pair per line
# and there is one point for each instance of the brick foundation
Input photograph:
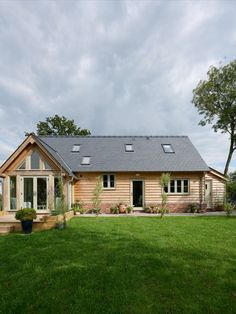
x,y
173,207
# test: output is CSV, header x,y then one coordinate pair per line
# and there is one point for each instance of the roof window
x,y
86,161
129,148
76,148
167,148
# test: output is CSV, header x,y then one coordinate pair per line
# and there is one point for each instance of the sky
x,y
115,67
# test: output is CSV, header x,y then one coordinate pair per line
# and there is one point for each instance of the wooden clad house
x,y
129,168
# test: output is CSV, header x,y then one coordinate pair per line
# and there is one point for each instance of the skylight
x,y
85,161
129,148
167,148
76,148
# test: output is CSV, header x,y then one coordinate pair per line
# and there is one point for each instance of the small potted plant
x,y
78,207
122,207
129,209
114,210
26,216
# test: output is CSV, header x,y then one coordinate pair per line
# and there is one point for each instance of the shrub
x,y
26,214
163,210
193,208
55,212
114,210
129,209
151,209
96,211
78,207
81,210
228,208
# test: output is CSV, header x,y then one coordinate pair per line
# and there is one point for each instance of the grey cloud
x,y
116,67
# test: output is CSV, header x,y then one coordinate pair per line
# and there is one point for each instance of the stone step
x,y
6,229
9,223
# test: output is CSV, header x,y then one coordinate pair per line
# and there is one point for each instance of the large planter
x,y
27,226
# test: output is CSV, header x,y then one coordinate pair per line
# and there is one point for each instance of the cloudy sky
x,y
115,67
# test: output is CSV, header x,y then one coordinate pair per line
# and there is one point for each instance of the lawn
x,y
122,265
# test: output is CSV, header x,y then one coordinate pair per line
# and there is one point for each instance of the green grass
x,y
122,265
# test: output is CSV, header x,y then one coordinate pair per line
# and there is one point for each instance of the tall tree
x,y
231,187
215,99
60,126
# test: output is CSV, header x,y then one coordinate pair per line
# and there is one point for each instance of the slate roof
x,y
108,153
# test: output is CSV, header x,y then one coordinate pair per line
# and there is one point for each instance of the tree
x,y
215,99
60,126
96,199
231,187
165,179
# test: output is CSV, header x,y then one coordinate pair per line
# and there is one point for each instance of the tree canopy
x,y
215,100
60,125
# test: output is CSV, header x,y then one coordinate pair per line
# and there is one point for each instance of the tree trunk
x,y
231,150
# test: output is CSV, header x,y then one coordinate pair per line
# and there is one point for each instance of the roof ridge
x,y
115,136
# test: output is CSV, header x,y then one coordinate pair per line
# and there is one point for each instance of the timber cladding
x,y
218,190
84,187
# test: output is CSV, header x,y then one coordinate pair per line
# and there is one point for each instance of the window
x,y
172,186
13,192
23,166
129,148
179,186
47,166
57,192
85,161
108,181
186,186
76,148
167,148
34,162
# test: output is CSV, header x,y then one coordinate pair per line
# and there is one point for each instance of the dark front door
x,y
138,193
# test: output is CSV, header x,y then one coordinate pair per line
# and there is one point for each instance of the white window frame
x,y
108,181
182,186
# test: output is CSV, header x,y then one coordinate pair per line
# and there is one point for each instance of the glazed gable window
x,y
34,162
108,181
178,186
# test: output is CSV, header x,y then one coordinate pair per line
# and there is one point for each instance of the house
x,y
129,168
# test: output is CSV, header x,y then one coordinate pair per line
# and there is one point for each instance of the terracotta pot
x,y
122,208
